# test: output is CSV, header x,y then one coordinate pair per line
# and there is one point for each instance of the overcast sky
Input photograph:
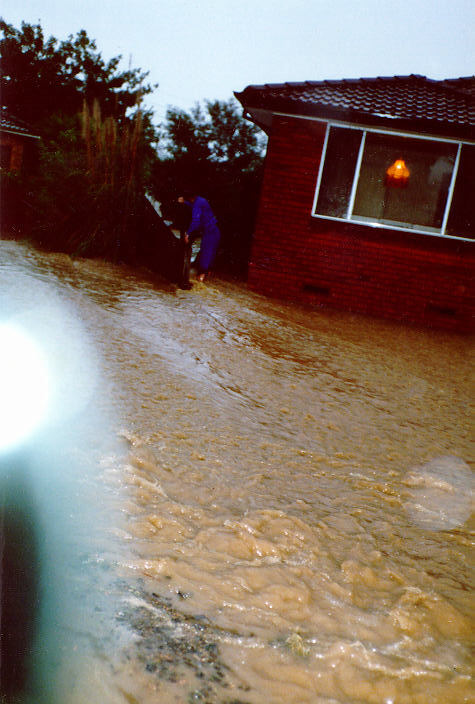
x,y
197,49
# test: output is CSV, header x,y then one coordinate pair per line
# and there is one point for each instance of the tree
x,y
214,150
40,77
216,132
97,143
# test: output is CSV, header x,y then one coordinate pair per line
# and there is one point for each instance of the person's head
x,y
187,194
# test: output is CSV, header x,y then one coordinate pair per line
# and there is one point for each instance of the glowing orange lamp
x,y
397,174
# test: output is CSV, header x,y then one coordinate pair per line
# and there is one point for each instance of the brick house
x,y
16,155
15,137
368,197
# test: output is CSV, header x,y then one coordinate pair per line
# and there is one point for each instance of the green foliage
x,y
215,133
213,150
90,187
59,174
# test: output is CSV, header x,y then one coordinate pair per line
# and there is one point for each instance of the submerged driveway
x,y
284,496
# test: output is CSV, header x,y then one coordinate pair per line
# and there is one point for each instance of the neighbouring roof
x,y
8,123
413,102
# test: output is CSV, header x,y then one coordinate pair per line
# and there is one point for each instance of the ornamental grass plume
x,y
115,185
111,150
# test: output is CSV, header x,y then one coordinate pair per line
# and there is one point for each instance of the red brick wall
x,y
407,276
16,144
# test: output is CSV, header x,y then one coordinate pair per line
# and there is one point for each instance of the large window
x,y
398,182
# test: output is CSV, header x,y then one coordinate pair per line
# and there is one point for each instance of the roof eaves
x,y
11,130
383,120
13,125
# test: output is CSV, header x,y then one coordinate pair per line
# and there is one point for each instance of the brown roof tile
x,y
8,123
444,107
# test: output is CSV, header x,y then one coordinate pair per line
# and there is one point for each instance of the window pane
x,y
338,171
462,211
420,203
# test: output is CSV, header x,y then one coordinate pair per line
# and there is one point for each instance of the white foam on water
x,y
440,493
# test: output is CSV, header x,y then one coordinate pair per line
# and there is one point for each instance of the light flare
x,y
24,386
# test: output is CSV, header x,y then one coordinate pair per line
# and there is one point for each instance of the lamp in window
x,y
397,174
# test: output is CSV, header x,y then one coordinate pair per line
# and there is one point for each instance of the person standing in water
x,y
181,220
203,224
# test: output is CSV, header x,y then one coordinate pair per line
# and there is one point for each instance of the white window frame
x,y
371,223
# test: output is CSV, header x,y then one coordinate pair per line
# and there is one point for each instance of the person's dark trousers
x,y
184,281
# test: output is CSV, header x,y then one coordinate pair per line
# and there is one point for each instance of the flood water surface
x,y
274,507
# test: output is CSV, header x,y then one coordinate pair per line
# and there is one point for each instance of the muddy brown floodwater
x,y
278,500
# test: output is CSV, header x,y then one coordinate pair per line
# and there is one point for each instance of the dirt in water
x,y
259,503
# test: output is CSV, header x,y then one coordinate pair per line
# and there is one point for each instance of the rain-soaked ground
x,y
241,501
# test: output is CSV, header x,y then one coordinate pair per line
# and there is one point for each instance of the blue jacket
x,y
203,224
202,218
